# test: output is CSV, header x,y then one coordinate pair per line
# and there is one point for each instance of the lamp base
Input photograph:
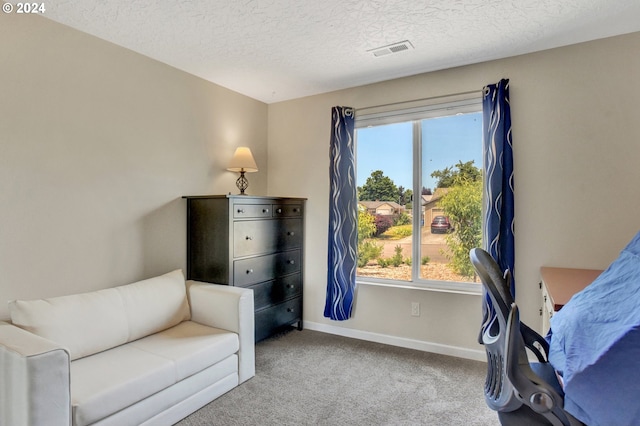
x,y
242,183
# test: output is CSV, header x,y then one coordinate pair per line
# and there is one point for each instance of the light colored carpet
x,y
312,378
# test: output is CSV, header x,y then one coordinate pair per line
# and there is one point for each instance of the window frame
x,y
415,112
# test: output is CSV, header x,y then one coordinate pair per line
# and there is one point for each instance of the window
x,y
419,177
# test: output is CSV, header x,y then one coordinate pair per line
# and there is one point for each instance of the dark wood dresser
x,y
255,242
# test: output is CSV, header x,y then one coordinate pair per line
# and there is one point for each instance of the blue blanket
x,y
595,345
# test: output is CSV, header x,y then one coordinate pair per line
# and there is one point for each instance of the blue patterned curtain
x,y
498,165
343,216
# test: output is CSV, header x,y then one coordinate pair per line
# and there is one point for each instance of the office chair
x,y
521,393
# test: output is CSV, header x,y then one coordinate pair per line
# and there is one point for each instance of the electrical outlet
x,y
415,309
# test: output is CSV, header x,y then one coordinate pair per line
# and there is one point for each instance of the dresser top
x,y
243,197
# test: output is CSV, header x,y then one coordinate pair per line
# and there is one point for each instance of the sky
x,y
446,140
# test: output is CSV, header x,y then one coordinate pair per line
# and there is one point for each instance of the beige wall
x,y
577,148
97,147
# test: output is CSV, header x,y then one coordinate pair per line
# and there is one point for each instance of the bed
x,y
595,345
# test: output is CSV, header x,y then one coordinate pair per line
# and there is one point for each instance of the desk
x,y
558,285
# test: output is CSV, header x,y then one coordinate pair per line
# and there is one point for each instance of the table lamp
x,y
242,162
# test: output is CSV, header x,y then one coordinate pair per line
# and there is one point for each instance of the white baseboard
x,y
403,342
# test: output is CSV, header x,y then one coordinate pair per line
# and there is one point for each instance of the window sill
x,y
437,286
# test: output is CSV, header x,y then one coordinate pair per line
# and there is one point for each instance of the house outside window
x,y
419,178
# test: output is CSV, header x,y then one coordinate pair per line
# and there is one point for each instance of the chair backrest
x,y
500,395
510,382
485,265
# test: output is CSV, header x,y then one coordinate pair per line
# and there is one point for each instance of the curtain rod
x,y
419,100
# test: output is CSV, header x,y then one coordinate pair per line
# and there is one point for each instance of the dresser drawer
x,y
265,268
252,210
276,316
287,210
251,237
276,291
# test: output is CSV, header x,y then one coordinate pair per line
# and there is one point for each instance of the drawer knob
x,y
279,211
291,286
265,210
296,210
291,233
290,310
240,210
249,271
291,262
249,238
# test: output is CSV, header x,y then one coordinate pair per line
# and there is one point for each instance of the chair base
x,y
523,416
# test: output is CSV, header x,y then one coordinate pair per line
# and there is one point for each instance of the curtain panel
x,y
498,238
343,216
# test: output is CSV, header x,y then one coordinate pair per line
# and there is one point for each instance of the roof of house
x,y
438,193
376,204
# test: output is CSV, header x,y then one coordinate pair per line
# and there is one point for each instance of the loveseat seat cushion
x,y
88,323
110,381
191,346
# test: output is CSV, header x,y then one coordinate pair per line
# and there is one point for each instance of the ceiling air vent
x,y
392,48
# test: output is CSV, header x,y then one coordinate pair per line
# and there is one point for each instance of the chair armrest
x,y
535,343
34,379
229,308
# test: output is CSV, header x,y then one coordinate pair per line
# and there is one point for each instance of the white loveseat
x,y
151,353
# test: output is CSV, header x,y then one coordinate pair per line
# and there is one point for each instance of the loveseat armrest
x,y
34,379
229,308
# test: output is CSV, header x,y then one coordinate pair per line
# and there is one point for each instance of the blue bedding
x,y
595,345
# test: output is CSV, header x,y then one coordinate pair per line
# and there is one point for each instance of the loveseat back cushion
x,y
82,323
92,322
155,304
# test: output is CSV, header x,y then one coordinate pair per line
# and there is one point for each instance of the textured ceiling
x,y
274,50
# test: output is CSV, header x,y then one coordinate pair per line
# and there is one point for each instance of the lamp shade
x,y
243,161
